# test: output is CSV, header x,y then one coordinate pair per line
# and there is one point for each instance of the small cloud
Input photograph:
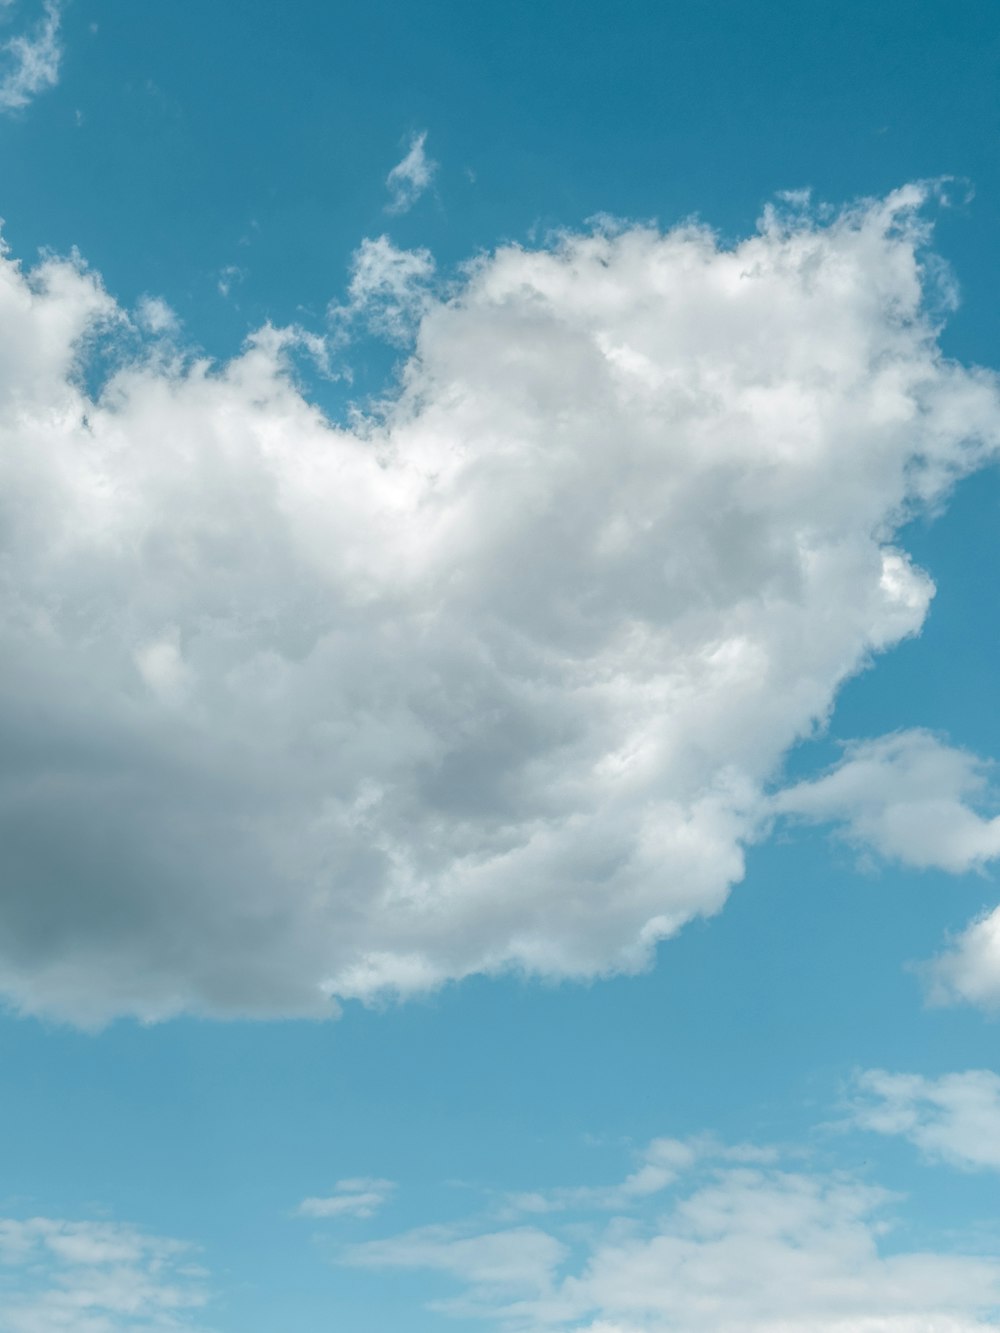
x,y
361,1197
909,797
389,288
408,179
954,1118
968,971
229,277
661,1164
31,60
153,315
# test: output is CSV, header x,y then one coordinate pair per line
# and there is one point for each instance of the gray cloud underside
x,y
292,712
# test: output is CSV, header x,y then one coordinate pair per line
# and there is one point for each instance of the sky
x,y
499,816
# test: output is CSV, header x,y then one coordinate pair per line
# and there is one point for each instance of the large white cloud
x,y
727,1247
494,679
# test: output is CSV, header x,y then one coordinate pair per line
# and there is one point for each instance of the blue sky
x,y
499,515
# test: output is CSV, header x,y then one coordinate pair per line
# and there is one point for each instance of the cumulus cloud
x,y
741,1248
969,969
910,797
94,1277
496,678
29,62
954,1118
408,179
360,1197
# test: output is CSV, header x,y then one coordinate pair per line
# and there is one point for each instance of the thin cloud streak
x,y
30,62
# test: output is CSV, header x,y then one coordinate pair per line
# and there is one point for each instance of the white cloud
x,y
913,799
735,1249
229,277
516,1258
660,1163
156,317
94,1277
908,797
496,679
361,1197
954,1118
389,289
408,179
29,62
969,969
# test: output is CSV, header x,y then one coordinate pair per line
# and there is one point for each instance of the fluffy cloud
x,y
955,1118
409,178
94,1277
969,969
389,289
909,797
914,799
29,63
155,317
496,678
737,1248
360,1197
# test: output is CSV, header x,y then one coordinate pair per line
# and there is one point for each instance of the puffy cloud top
x,y
493,679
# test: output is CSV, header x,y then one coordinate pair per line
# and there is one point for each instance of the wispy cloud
x,y
409,178
954,1118
359,1197
229,277
660,1164
389,289
95,1277
29,62
743,1241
